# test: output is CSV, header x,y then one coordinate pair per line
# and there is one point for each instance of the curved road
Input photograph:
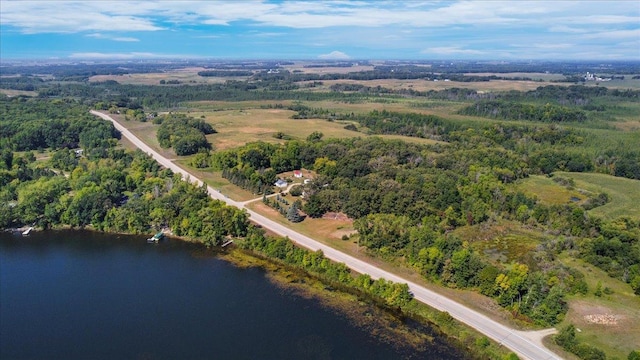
x,y
526,345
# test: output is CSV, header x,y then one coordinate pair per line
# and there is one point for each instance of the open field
x,y
627,83
425,85
610,322
503,242
299,67
146,131
238,127
534,76
185,76
216,181
12,93
624,193
548,191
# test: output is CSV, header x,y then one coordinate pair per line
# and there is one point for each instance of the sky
x,y
335,30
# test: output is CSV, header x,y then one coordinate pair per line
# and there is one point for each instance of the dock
x,y
155,238
227,243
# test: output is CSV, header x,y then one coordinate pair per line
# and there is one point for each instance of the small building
x,y
281,183
297,173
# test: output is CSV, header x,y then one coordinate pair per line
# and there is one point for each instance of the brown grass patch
x,y
628,125
12,93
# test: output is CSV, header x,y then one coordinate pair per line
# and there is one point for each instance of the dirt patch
x,y
593,314
603,319
337,216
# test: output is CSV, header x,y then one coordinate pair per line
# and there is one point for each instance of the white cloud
x,y
114,38
74,16
67,16
126,56
451,50
125,39
567,29
334,55
615,34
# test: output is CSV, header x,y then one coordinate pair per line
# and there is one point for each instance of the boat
x,y
155,238
28,231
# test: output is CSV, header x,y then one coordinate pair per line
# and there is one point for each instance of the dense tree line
x,y
110,190
34,124
122,192
169,97
528,112
186,135
393,294
25,83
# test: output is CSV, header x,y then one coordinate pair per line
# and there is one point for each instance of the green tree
x,y
293,214
315,136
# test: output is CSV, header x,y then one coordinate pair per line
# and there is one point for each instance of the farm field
x,y
238,127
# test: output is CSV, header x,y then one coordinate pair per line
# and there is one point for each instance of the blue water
x,y
83,295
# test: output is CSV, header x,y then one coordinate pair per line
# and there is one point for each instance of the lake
x,y
86,295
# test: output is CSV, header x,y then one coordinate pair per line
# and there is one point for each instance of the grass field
x,y
548,191
238,127
610,322
12,93
216,181
503,242
624,193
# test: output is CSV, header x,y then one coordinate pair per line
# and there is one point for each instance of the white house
x,y
281,183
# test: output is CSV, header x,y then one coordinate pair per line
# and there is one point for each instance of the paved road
x,y
526,344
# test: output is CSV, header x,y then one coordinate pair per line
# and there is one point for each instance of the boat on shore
x,y
27,231
155,238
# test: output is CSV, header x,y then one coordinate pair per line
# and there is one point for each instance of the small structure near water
x,y
155,238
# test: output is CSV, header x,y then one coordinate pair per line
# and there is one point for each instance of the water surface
x,y
84,295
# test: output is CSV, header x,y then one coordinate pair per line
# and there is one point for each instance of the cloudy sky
x,y
269,29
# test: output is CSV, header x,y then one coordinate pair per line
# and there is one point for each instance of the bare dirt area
x,y
336,216
586,313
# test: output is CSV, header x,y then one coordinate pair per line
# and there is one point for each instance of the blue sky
x,y
503,30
